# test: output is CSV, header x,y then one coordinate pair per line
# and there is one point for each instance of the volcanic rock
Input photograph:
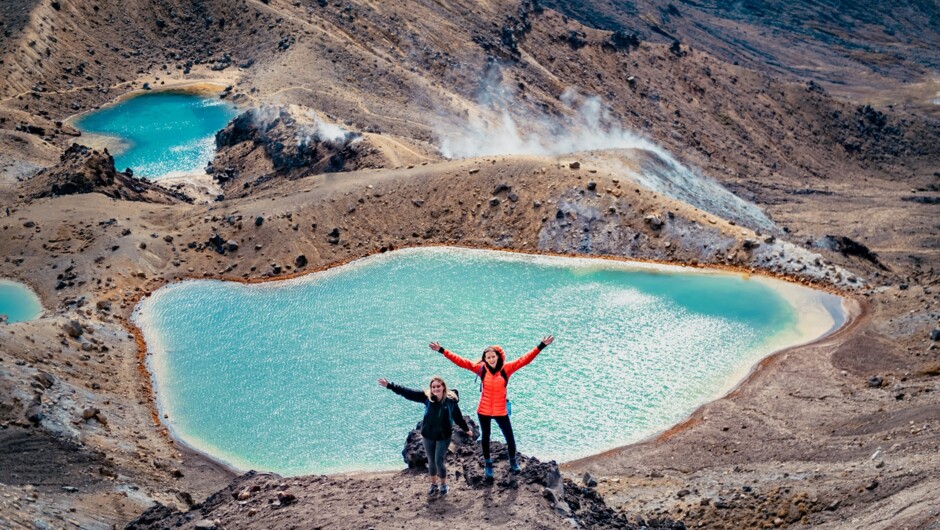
x,y
295,145
73,328
654,221
85,170
850,247
45,379
333,236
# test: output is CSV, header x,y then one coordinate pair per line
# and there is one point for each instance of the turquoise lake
x,y
161,133
281,376
18,302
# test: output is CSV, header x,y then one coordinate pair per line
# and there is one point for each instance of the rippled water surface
x,y
282,376
18,302
163,133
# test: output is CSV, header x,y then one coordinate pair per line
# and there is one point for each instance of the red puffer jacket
x,y
493,398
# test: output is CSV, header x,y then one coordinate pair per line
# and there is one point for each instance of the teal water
x,y
18,302
165,133
282,376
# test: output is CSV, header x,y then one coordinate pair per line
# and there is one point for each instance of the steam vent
x,y
697,242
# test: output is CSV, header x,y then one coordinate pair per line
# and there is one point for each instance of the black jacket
x,y
437,416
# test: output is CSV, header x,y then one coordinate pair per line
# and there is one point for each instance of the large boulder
x,y
416,458
73,328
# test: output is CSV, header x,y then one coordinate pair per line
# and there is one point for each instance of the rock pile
x,y
269,501
85,170
295,145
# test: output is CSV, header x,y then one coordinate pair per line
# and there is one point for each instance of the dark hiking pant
x,y
504,425
436,451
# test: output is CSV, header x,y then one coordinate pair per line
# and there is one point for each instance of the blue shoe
x,y
488,469
444,489
432,491
514,465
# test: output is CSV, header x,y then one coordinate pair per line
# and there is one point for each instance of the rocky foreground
x,y
538,497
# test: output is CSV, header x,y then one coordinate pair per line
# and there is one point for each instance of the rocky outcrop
x,y
82,169
849,247
262,500
291,142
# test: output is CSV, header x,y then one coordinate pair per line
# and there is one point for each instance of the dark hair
x,y
499,358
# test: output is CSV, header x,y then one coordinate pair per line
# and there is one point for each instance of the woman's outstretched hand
x,y
548,340
436,346
383,382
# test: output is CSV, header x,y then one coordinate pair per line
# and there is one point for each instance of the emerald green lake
x,y
161,133
18,302
281,376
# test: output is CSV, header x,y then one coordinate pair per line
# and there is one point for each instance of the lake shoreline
x,y
103,138
856,314
24,289
774,282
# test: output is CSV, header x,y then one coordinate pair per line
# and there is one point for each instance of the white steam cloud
x,y
330,132
312,128
589,125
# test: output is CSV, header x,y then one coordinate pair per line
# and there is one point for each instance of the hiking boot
x,y
514,465
488,469
444,489
432,490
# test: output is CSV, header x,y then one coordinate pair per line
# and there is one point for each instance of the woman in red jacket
x,y
494,372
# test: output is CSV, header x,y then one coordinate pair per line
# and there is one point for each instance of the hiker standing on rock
x,y
440,411
494,374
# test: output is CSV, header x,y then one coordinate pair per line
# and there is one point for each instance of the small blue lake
x,y
160,134
18,302
281,376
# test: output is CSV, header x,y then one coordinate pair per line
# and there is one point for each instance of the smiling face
x,y
437,389
491,358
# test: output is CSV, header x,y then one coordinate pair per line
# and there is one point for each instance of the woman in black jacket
x,y
440,410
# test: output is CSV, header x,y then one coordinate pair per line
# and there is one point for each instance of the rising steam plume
x,y
589,125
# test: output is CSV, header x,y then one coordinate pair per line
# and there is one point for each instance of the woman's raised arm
x,y
529,357
407,393
454,358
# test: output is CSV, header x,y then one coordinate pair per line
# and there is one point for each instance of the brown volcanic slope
x,y
415,70
406,73
856,48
